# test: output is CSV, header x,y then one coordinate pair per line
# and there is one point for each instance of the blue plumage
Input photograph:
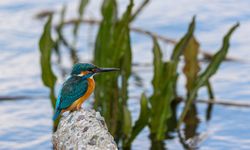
x,y
56,114
72,89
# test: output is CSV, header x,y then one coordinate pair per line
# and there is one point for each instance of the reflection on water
x,y
26,124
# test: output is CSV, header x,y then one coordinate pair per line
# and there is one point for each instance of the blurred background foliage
x,y
113,49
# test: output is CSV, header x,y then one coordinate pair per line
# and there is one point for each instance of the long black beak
x,y
106,70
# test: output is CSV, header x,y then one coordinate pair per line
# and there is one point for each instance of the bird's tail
x,y
57,113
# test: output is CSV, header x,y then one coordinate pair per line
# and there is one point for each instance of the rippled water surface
x,y
26,123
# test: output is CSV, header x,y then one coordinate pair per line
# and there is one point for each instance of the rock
x,y
83,130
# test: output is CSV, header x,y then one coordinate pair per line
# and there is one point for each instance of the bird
x,y
78,87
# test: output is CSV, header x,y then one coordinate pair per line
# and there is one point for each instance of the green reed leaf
x,y
165,98
178,50
106,94
209,71
158,65
138,11
82,6
210,90
46,44
122,34
191,67
127,126
164,84
180,46
217,59
113,49
163,93
142,121
211,98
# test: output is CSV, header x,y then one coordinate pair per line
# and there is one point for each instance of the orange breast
x,y
91,87
77,104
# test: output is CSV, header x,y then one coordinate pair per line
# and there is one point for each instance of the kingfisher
x,y
78,87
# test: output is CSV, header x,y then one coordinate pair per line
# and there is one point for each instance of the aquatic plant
x,y
46,45
113,49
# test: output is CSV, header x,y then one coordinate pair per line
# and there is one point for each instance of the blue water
x,y
26,124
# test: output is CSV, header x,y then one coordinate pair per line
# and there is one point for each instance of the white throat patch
x,y
80,75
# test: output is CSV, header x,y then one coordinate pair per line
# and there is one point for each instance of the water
x,y
26,124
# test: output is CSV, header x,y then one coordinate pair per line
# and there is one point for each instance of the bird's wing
x,y
58,101
74,88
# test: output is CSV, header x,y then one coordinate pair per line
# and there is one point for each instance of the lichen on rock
x,y
83,130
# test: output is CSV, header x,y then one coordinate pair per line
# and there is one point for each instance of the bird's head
x,y
87,70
